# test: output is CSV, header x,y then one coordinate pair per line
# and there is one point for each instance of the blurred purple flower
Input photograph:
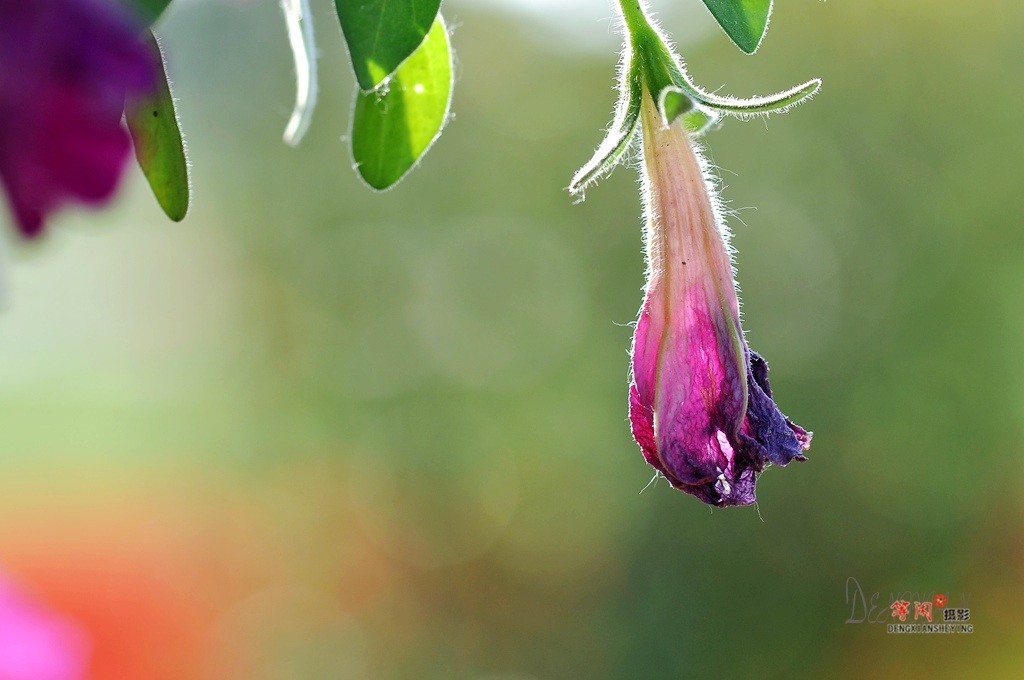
x,y
65,67
699,403
35,643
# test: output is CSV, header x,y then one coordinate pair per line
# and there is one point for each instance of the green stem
x,y
648,49
635,16
646,42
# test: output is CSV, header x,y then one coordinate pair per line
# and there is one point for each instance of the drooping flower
x,y
699,401
35,643
65,67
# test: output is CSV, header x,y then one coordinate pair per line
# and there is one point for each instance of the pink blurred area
x,y
37,643
194,583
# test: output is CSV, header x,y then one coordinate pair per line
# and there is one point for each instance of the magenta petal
x,y
700,395
688,425
641,418
65,68
89,154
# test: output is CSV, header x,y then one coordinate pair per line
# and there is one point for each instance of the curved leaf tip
x,y
299,23
744,21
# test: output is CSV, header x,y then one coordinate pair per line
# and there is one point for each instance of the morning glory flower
x,y
700,404
65,68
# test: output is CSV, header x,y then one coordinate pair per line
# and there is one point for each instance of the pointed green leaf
x,y
148,10
299,23
393,127
153,124
619,135
381,34
745,21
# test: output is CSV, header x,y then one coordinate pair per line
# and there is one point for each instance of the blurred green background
x,y
314,432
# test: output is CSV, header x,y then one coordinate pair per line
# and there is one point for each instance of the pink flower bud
x,y
699,403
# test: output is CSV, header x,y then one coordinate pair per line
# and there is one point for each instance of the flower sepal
x,y
621,132
649,63
665,72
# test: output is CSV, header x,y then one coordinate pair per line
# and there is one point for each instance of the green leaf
x,y
381,34
621,132
299,23
392,128
745,21
153,124
147,10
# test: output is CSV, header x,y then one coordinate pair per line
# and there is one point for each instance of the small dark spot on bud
x,y
155,113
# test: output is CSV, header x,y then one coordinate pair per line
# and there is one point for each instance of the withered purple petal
x,y
781,440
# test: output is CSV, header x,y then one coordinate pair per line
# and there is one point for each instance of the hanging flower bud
x,y
65,67
699,403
